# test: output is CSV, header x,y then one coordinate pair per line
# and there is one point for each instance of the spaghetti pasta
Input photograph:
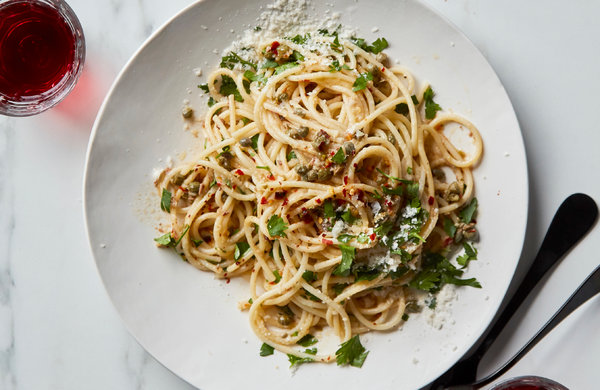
x,y
327,180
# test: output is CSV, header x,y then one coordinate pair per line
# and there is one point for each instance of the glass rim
x,y
35,104
530,380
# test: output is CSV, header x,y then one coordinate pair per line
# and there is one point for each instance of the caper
x,y
412,307
301,169
452,193
349,148
187,112
321,140
246,142
194,187
224,160
299,133
282,97
465,231
178,179
324,174
439,174
375,71
382,58
300,112
312,175
284,319
391,138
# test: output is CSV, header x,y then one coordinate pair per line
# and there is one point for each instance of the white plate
x,y
188,320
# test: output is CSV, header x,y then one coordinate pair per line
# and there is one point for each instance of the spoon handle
x,y
589,288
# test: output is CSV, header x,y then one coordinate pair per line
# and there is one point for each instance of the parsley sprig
x,y
351,352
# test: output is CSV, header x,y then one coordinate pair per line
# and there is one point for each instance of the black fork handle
x,y
573,219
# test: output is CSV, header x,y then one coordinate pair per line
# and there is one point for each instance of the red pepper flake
x,y
234,186
355,165
318,200
326,241
272,177
183,189
361,195
373,237
239,172
263,200
448,241
383,69
430,200
274,47
344,192
340,202
285,202
305,216
228,280
345,180
332,153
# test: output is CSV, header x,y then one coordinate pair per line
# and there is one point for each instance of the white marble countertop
x,y
58,329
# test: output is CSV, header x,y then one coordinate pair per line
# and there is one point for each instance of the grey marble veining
x,y
7,224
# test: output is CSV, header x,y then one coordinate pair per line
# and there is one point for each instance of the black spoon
x,y
573,219
589,288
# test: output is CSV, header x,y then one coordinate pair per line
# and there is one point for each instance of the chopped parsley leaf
x,y
232,58
307,340
431,107
203,87
300,39
291,155
402,108
197,242
348,255
339,157
351,352
296,55
345,238
328,209
165,200
470,254
241,248
363,238
277,276
348,217
284,67
258,77
362,81
254,140
335,66
311,296
266,350
266,168
437,271
309,276
449,227
211,101
229,87
339,287
466,214
276,226
297,360
169,241
378,46
269,64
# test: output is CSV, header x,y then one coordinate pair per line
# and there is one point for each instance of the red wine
x,y
37,48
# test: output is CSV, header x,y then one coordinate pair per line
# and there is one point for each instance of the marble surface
x,y
58,329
